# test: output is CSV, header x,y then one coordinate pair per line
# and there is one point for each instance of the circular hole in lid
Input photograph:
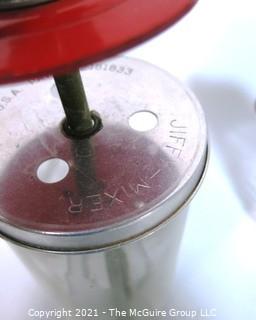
x,y
52,170
143,120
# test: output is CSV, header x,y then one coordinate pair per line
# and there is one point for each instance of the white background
x,y
213,50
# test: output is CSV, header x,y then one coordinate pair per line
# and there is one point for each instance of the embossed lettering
x,y
177,136
175,151
128,195
139,186
6,100
113,197
121,69
16,92
155,174
105,200
179,140
75,207
174,125
95,202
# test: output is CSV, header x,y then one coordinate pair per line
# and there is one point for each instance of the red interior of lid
x,y
62,35
90,196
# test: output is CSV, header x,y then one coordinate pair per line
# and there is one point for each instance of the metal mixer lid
x,y
127,179
62,35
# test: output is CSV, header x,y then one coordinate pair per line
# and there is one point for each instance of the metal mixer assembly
x,y
93,199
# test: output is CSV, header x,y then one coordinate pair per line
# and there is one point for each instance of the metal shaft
x,y
73,98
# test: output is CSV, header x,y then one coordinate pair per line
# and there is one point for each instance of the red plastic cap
x,y
62,35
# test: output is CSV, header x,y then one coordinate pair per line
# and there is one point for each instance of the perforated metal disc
x,y
125,180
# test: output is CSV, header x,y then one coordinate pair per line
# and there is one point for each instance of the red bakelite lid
x,y
63,34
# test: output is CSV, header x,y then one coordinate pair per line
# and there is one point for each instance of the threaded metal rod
x,y
78,116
